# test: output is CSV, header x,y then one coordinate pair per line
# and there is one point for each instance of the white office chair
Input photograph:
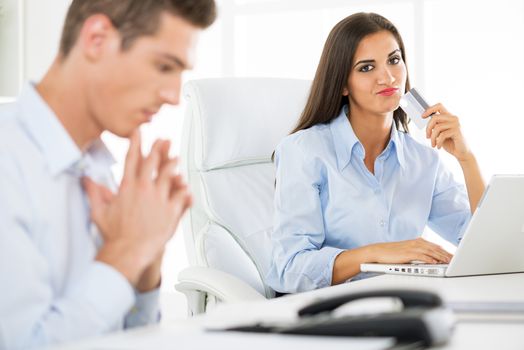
x,y
231,128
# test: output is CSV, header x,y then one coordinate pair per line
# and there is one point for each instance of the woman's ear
x,y
345,92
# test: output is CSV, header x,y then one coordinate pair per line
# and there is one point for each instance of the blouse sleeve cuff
x,y
325,262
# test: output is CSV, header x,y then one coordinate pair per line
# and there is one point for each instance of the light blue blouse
x,y
327,201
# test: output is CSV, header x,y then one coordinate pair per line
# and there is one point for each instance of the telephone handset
x,y
423,319
409,298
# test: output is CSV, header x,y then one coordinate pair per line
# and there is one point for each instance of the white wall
x,y
466,54
11,74
474,64
29,35
43,21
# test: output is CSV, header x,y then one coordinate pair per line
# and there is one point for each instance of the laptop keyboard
x,y
420,269
430,265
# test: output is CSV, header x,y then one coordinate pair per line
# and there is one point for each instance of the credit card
x,y
414,105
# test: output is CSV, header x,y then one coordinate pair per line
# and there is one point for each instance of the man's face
x,y
128,87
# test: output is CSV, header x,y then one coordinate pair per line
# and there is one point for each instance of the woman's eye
x,y
366,68
394,60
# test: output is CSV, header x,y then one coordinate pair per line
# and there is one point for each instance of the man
x,y
79,257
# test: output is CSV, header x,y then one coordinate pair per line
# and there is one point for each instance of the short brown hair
x,y
133,18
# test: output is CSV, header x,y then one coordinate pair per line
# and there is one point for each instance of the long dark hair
x,y
325,98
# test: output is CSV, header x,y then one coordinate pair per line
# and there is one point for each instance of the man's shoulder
x,y
10,119
15,142
8,113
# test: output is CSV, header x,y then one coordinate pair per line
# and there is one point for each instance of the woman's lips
x,y
388,92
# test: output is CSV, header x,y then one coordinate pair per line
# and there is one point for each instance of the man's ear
x,y
97,36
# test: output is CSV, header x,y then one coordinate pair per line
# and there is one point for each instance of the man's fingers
x,y
189,200
96,197
151,164
166,176
106,194
164,152
133,158
177,182
181,199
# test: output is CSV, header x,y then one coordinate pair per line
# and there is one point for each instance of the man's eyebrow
x,y
372,61
178,61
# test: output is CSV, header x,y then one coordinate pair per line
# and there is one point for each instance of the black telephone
x,y
423,319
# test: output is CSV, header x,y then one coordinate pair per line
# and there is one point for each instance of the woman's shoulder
x,y
311,140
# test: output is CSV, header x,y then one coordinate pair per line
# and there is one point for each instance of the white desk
x,y
476,331
507,287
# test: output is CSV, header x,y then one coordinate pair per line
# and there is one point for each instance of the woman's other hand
x,y
444,131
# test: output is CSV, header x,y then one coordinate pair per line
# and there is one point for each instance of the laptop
x,y
493,242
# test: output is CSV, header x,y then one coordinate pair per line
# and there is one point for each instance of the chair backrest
x,y
231,128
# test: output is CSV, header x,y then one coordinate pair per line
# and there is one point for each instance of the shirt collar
x,y
58,148
397,141
97,162
344,140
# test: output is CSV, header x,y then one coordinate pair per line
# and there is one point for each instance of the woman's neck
x,y
372,130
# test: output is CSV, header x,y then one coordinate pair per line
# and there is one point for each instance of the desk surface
x,y
477,331
490,288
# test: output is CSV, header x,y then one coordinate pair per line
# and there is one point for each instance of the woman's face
x,y
378,75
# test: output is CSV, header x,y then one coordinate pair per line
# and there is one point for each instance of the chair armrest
x,y
222,285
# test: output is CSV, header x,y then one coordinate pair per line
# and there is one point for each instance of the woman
x,y
352,186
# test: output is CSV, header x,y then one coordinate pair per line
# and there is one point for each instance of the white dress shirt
x,y
52,288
